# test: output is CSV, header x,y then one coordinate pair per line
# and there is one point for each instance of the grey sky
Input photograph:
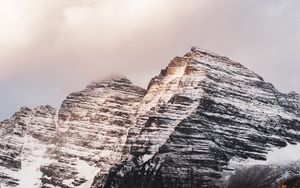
x,y
51,48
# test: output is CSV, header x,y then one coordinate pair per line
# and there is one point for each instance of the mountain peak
x,y
199,50
199,115
44,108
109,81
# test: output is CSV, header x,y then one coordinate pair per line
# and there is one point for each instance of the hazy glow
x,y
107,21
49,48
15,25
11,21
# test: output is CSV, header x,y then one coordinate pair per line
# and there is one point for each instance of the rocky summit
x,y
204,122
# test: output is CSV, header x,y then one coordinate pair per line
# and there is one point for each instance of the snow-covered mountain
x,y
24,139
204,121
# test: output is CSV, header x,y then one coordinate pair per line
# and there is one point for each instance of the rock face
x,y
198,117
23,141
228,112
92,129
266,176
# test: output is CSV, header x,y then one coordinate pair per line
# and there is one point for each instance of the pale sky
x,y
49,48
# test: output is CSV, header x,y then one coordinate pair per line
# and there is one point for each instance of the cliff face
x,y
201,120
23,141
229,112
92,129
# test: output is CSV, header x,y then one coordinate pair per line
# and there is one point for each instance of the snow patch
x,y
278,156
87,171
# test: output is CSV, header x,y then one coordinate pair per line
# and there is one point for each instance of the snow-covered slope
x,y
203,120
23,141
237,115
92,129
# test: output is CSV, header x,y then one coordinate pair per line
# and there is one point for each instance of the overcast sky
x,y
49,48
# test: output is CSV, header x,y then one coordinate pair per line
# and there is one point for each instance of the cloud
x,y
38,31
51,48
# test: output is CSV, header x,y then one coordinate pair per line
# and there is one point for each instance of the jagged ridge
x,y
238,115
201,112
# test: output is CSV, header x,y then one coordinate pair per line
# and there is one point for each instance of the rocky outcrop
x,y
92,130
270,176
170,98
234,114
199,116
24,138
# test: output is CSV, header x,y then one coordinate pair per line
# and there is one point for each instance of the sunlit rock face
x,y
198,124
170,98
215,110
23,141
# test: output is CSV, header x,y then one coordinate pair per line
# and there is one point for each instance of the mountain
x,y
24,139
229,113
204,121
92,129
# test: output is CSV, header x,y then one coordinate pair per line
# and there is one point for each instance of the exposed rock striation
x,y
199,115
92,130
23,141
270,176
232,113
